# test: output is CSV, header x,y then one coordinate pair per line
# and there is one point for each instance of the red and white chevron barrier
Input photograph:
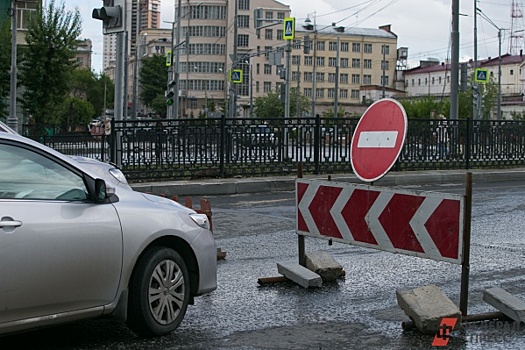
x,y
424,224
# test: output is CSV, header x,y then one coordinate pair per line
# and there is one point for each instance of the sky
x,y
421,25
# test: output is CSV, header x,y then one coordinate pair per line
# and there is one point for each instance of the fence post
x,y
223,149
317,143
467,144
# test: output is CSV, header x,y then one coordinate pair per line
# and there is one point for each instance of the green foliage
x,y
52,39
5,66
75,111
423,108
86,85
270,106
153,78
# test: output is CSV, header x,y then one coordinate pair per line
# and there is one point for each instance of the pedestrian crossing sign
x,y
236,76
289,28
481,75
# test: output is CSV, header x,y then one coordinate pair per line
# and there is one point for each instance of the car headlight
x,y
119,175
201,220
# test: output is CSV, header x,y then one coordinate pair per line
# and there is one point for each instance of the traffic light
x,y
282,94
112,16
170,93
282,73
306,45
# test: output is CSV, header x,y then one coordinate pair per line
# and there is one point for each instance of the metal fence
x,y
151,150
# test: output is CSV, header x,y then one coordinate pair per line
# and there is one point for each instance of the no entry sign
x,y
378,139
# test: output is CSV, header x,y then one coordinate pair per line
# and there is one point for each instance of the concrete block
x,y
300,275
427,306
323,264
505,302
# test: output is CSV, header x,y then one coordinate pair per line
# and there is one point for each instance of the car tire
x,y
159,293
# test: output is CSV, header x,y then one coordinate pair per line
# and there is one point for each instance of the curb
x,y
213,187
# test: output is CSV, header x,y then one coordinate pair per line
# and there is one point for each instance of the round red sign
x,y
378,139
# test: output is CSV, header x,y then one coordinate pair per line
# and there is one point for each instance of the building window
x,y
307,92
319,93
281,15
385,49
356,47
419,82
384,65
243,40
413,82
512,72
331,93
269,15
279,34
356,79
25,10
331,77
344,47
319,76
295,76
356,63
332,46
308,60
268,34
320,46
243,21
343,79
367,48
344,63
332,61
257,87
384,80
267,69
355,94
320,61
367,79
433,81
257,69
296,60
426,81
243,5
267,86
439,81
296,44
308,76
343,93
367,64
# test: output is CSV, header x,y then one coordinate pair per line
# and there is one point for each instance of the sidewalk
x,y
208,187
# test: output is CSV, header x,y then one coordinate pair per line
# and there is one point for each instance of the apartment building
x,y
432,78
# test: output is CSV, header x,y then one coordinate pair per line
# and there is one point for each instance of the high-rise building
x,y
141,14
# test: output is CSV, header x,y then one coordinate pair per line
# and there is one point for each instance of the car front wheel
x,y
159,293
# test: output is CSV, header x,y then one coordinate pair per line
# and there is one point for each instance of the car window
x,y
28,175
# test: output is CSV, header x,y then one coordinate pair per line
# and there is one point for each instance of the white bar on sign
x,y
377,139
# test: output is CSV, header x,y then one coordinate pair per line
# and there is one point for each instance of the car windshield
x,y
263,130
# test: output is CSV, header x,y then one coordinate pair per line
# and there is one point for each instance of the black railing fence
x,y
151,150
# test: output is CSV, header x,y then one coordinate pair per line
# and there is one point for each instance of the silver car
x,y
77,242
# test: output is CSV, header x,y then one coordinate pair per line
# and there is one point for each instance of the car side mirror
x,y
101,191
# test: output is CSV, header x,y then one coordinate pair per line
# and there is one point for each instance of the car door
x,y
59,251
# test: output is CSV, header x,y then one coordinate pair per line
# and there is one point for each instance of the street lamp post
x,y
336,97
12,119
484,16
308,26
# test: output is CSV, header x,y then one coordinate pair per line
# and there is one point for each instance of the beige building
x,y
84,52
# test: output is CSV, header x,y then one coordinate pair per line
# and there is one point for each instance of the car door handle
x,y
10,223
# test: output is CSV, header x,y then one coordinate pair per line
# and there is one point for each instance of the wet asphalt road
x,y
357,312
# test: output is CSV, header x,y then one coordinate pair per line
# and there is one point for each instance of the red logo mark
x,y
445,327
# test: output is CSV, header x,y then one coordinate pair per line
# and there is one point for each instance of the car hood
x,y
166,202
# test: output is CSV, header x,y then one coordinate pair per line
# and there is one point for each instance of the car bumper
x,y
206,255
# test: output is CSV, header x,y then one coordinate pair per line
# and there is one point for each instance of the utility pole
x,y
233,86
475,88
12,119
454,66
336,97
383,64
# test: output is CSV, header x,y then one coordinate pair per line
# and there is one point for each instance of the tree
x,y
52,37
87,86
271,106
5,66
153,79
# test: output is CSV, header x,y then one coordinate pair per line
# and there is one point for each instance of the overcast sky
x,y
421,25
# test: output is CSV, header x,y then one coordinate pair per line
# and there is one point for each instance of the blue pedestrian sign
x,y
289,28
481,75
236,76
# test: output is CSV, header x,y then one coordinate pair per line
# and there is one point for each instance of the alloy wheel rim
x,y
166,292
